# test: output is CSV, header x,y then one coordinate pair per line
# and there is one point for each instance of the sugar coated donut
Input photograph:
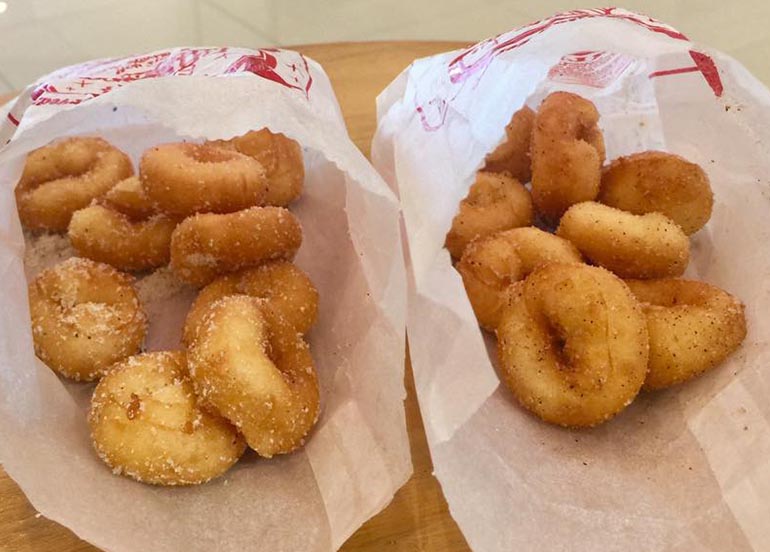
x,y
567,154
573,344
631,246
128,197
659,182
494,202
693,327
256,370
146,423
490,265
85,317
111,237
512,155
281,158
62,177
205,246
183,179
284,287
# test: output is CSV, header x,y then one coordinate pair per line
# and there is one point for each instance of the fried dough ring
x,y
494,202
572,344
128,197
567,154
85,317
182,179
111,237
631,246
284,287
490,265
693,327
659,182
255,370
205,246
512,155
146,424
62,177
281,158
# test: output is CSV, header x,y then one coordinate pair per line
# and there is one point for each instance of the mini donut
x,y
512,156
281,158
182,179
85,317
693,327
111,237
573,344
62,177
284,287
205,246
128,197
631,246
490,265
567,154
659,182
255,370
146,423
494,202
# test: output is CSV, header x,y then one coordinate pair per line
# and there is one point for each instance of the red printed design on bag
x,y
704,65
595,69
478,57
76,84
472,62
265,64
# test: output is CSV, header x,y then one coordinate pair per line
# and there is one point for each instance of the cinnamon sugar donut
x,y
256,371
573,344
146,423
182,179
85,317
206,246
567,154
280,156
490,265
285,288
494,202
65,176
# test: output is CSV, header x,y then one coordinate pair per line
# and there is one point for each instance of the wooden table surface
x,y
417,519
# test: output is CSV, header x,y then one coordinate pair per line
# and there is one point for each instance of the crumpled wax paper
x,y
684,469
358,455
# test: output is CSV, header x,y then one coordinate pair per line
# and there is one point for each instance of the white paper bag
x,y
684,469
358,455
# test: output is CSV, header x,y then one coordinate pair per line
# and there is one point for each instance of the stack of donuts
x,y
592,313
216,214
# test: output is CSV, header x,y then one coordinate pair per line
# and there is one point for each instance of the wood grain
x,y
417,519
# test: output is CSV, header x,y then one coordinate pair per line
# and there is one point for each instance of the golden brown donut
x,y
693,327
182,179
255,370
659,182
284,287
128,197
146,423
572,344
491,264
64,176
281,158
567,154
107,236
631,246
206,246
85,317
494,202
512,155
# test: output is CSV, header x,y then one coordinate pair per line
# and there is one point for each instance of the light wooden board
x,y
417,519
